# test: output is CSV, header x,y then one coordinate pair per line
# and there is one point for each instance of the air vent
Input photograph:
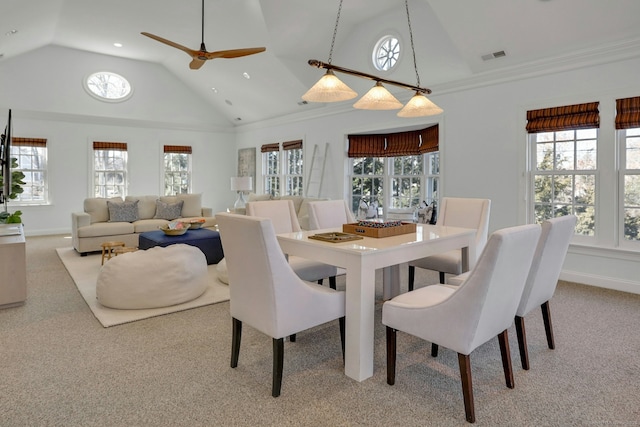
x,y
237,119
494,55
228,102
301,103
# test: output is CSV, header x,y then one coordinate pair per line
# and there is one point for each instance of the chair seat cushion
x,y
310,270
447,262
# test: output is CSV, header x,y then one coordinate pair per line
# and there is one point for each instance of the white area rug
x,y
84,272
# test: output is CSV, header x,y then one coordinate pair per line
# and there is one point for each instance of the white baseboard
x,y
601,281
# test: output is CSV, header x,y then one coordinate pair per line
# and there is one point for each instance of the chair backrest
x,y
329,214
467,213
282,214
488,300
547,262
265,289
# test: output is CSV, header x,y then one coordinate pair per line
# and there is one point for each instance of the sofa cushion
x,y
106,229
168,211
192,204
253,197
146,205
123,211
97,208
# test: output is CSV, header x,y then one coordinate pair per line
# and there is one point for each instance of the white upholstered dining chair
x,y
542,279
266,293
284,219
464,318
329,214
456,212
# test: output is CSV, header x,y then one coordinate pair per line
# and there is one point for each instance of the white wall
x,y
483,152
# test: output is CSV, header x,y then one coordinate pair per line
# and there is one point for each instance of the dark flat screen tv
x,y
5,160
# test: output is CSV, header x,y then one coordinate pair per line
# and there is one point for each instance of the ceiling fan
x,y
200,56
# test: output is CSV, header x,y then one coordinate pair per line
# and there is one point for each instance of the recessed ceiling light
x,y
246,75
10,32
214,90
117,44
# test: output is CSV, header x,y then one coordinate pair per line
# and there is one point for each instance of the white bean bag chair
x,y
156,277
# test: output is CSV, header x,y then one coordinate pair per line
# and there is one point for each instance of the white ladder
x,y
316,171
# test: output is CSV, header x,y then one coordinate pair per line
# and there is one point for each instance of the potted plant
x,y
16,188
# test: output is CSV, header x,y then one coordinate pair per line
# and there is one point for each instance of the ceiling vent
x,y
494,55
301,103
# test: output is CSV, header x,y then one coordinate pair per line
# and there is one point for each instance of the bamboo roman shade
x,y
409,143
102,145
292,145
270,147
28,142
180,149
578,116
628,113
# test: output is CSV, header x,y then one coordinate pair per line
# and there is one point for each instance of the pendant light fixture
x,y
331,89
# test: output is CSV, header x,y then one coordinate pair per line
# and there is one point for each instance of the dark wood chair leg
x,y
503,338
548,327
391,356
292,337
332,282
467,386
342,329
236,336
412,276
441,277
434,350
522,342
278,362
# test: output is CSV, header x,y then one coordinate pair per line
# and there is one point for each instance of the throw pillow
x,y
123,211
168,211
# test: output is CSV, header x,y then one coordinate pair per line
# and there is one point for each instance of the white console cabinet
x,y
13,266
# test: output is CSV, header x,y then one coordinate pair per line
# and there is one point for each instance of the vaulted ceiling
x,y
450,37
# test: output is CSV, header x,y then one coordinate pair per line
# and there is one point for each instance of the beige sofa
x,y
110,219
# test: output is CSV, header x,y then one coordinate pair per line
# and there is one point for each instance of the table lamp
x,y
241,184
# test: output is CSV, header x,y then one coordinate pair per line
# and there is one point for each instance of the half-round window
x,y
108,86
386,53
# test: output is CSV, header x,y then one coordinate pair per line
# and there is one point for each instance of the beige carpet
x,y
84,272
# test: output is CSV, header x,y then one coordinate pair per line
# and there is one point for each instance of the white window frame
x,y
32,185
283,172
271,181
174,175
101,189
428,180
622,136
293,172
574,172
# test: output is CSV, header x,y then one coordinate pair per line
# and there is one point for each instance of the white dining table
x,y
360,259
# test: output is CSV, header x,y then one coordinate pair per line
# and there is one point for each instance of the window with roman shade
x,y
564,148
627,125
31,158
396,171
293,168
177,169
109,169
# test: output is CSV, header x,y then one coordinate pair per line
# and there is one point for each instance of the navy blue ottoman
x,y
208,241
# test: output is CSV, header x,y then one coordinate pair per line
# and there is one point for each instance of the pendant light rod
x,y
327,66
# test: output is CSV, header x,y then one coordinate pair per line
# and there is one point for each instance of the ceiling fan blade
x,y
196,64
190,52
234,53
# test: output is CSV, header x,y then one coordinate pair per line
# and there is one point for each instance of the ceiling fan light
x,y
329,89
418,106
378,98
